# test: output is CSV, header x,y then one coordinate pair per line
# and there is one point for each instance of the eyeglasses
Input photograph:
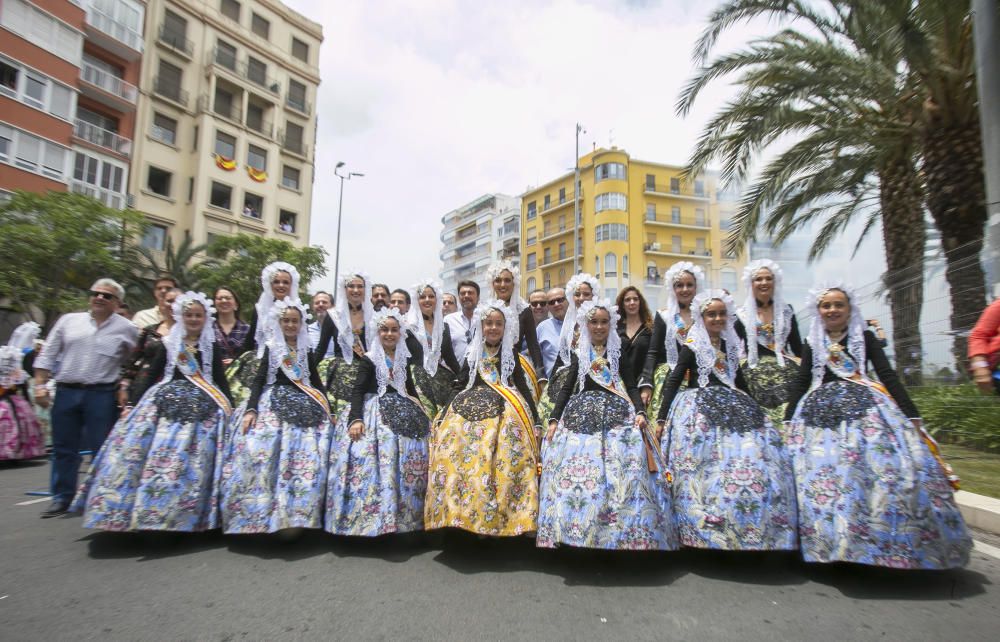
x,y
538,304
107,296
557,301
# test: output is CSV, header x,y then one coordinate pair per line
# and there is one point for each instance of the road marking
x,y
982,547
34,501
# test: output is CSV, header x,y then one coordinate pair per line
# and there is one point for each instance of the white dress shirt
x,y
548,340
461,329
87,353
315,330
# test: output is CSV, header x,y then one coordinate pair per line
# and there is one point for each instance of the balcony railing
x,y
294,145
116,200
260,125
232,111
170,89
475,255
677,249
99,136
670,219
117,30
301,106
176,41
242,68
108,82
659,188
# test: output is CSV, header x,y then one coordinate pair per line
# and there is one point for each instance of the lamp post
x,y
576,201
340,212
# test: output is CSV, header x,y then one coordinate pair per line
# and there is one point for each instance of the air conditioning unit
x,y
655,246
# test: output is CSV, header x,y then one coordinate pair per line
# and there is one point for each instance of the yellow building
x,y
637,218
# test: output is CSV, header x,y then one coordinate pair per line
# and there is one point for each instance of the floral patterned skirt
x,y
339,378
274,475
660,375
597,490
547,403
768,384
240,375
482,473
376,485
869,490
435,393
21,435
159,467
733,485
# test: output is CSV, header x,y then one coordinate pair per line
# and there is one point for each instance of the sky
x,y
437,102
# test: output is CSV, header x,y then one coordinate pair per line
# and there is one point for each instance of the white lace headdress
x,y
700,343
400,358
266,299
431,344
12,354
781,312
342,319
817,329
569,321
494,271
613,347
277,345
174,341
671,308
507,354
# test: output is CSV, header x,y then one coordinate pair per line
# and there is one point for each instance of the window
x,y
532,282
300,50
8,79
257,158
675,215
225,145
230,9
650,211
168,81
260,26
562,195
225,55
154,238
6,142
699,246
562,250
611,232
293,137
547,256
257,71
651,182
610,264
532,210
606,171
99,173
675,186
286,221
562,222
675,244
297,95
610,201
548,281
546,203
34,91
562,275
225,104
164,129
174,27
290,177
532,261
699,217
255,119
38,26
625,266
532,236
190,196
221,196
253,205
597,266
699,188
158,181
28,153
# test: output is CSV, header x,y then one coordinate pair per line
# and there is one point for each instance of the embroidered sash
x,y
190,368
529,371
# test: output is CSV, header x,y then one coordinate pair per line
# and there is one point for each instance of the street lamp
x,y
340,212
576,200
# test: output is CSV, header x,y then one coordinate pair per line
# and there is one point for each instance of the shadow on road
x,y
149,545
872,583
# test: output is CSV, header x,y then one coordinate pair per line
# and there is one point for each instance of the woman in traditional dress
x,y
484,461
279,280
147,347
580,287
506,281
378,460
770,334
275,476
352,333
21,435
603,481
871,486
733,484
435,375
635,328
669,331
158,469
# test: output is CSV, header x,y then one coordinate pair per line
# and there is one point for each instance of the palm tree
x,y
836,89
178,263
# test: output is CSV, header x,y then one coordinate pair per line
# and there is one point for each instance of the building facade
x,y
636,219
226,121
477,234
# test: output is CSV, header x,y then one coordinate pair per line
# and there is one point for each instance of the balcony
x,y
170,90
670,191
294,145
553,232
232,111
301,106
550,261
112,35
102,137
260,125
695,222
470,257
677,250
116,200
228,60
107,89
174,41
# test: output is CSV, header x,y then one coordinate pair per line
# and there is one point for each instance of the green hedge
x,y
960,414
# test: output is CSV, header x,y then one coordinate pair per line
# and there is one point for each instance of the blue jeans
x,y
79,418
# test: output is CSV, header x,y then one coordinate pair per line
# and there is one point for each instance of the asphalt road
x,y
61,582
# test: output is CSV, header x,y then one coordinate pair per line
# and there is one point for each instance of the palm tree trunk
x,y
904,237
956,198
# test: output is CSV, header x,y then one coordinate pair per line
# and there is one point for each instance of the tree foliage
x,y
177,261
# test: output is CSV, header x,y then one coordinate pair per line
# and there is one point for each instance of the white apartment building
x,y
226,120
477,234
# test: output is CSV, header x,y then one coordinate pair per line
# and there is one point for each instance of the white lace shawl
x,y
12,354
431,345
508,355
400,358
672,307
266,299
569,328
613,347
277,345
494,271
782,313
699,342
817,330
342,318
174,341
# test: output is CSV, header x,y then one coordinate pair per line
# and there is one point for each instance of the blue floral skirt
x,y
733,485
159,468
597,490
869,490
274,475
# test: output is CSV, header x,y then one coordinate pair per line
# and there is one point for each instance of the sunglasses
x,y
557,301
538,304
103,295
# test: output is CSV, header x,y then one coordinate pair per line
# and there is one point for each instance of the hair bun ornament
x,y
817,293
589,308
189,298
495,269
279,309
704,299
383,315
350,275
677,269
267,276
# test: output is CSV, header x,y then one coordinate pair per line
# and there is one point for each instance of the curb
x,y
979,511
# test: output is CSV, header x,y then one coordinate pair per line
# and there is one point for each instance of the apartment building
x,y
636,219
226,121
477,234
